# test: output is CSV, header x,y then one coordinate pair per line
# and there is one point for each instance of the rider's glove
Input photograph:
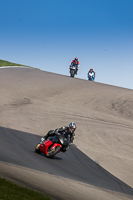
x,y
42,139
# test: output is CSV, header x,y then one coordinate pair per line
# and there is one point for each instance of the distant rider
x,y
75,63
70,130
91,71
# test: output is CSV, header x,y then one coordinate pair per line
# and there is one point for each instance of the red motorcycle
x,y
53,145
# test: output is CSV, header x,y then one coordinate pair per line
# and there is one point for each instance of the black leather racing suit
x,y
60,131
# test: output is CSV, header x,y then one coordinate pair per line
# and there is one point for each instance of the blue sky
x,y
48,34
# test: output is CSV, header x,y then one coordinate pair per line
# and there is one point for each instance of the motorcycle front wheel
x,y
37,148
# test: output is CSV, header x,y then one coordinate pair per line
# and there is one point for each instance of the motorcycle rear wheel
x,y
53,152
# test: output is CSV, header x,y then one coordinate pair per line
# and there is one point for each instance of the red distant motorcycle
x,y
53,145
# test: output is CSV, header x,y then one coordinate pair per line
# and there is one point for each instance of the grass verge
x,y
4,63
11,191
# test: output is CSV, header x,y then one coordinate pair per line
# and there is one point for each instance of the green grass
x,y
4,63
11,191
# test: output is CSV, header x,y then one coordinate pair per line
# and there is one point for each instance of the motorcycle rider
x,y
75,63
70,130
91,71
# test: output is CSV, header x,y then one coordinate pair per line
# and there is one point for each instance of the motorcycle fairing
x,y
91,76
44,147
49,142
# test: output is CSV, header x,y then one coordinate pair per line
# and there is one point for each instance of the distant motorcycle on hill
x,y
91,76
73,71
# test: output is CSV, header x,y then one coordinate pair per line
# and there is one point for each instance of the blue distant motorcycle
x,y
91,76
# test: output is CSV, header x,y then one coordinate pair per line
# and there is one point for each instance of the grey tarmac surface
x,y
97,166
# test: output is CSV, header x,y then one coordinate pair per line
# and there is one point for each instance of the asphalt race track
x,y
18,148
74,167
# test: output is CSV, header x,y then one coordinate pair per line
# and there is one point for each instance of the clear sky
x,y
48,34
